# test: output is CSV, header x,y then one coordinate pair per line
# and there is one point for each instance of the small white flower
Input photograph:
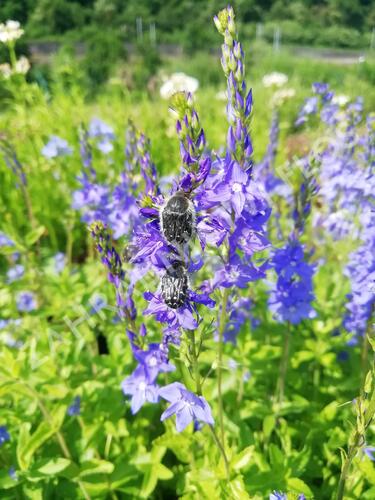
x,y
10,31
178,82
340,99
274,79
22,65
282,95
5,71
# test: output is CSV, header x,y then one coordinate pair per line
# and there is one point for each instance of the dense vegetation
x,y
341,23
272,341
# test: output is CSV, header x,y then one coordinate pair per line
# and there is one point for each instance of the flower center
x,y
237,187
234,274
142,386
152,362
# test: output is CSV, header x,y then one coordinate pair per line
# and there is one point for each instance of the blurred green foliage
x,y
341,23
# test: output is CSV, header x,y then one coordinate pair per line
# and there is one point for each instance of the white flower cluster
x,y
178,82
274,79
22,66
282,95
10,31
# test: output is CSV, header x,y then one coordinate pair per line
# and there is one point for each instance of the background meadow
x,y
67,429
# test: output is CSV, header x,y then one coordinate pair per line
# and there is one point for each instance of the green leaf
x,y
276,457
368,382
149,481
243,459
152,473
298,486
28,445
93,467
6,482
237,489
34,235
54,466
163,472
123,473
268,425
57,466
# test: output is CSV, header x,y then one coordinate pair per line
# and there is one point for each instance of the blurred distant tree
x,y
104,48
18,10
186,21
57,16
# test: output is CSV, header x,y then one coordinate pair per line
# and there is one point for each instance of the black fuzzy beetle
x,y
174,285
177,219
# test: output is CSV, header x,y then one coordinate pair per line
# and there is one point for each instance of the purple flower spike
x,y
185,405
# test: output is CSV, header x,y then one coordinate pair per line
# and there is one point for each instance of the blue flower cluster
x,y
346,172
291,299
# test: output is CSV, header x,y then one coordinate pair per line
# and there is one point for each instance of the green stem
x,y
197,378
195,366
222,320
59,436
12,55
283,366
69,243
221,448
358,439
364,361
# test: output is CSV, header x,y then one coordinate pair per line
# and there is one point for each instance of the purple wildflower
x,y
185,405
75,408
290,299
239,313
59,262
103,133
26,301
4,435
56,147
233,188
238,272
5,241
370,452
15,273
153,361
141,390
183,316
